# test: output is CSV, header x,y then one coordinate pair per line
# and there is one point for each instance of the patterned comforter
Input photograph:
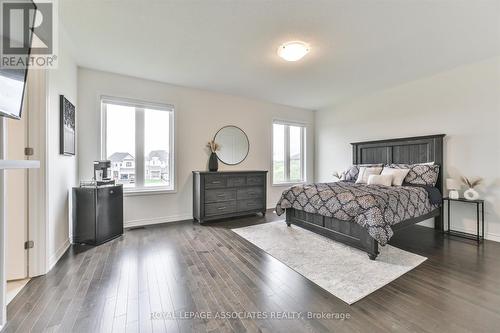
x,y
375,208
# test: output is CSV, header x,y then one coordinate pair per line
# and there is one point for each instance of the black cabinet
x,y
228,193
97,214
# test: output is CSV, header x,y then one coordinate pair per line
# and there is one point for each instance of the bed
x,y
412,150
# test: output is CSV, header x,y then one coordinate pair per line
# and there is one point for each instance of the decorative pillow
x,y
398,175
420,174
365,172
352,173
385,180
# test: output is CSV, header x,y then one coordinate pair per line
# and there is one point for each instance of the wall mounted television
x,y
13,80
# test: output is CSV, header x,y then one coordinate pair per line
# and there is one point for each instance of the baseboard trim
x,y
159,220
493,237
156,220
488,235
59,253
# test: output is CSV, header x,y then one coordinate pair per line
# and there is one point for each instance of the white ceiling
x,y
357,46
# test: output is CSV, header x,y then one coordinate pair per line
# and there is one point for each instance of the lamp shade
x,y
452,184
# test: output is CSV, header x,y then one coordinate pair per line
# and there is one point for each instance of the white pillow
x,y
398,175
385,180
365,172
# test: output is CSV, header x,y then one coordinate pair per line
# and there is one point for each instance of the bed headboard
x,y
413,150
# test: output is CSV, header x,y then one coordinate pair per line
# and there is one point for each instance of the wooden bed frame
x,y
404,150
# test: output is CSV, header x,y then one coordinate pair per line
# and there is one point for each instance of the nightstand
x,y
479,236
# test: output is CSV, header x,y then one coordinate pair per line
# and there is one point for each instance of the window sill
x,y
287,184
132,192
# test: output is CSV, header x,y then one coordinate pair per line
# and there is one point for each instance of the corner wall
x,y
199,114
463,103
62,170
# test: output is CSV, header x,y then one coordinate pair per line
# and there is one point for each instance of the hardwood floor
x,y
136,282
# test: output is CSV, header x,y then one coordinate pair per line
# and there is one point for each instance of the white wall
x,y
199,114
62,170
463,103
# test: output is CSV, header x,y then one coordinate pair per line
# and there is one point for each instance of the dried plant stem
x,y
213,146
472,183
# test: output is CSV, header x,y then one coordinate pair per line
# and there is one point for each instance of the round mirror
x,y
233,144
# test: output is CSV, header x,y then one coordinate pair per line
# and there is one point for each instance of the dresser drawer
x,y
220,208
220,195
215,181
250,204
236,181
250,193
256,180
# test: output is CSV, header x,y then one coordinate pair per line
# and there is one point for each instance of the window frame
x,y
140,165
303,152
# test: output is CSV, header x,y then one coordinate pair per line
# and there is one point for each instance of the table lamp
x,y
452,185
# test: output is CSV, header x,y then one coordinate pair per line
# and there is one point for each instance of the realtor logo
x,y
29,34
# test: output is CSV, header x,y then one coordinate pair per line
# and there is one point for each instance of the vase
x,y
453,194
213,163
471,194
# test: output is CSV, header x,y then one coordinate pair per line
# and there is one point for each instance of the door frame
x,y
38,258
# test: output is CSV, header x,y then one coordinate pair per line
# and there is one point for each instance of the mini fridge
x,y
97,214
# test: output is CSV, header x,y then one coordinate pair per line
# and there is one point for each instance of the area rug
x,y
345,272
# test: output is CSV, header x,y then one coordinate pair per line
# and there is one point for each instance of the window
x,y
288,152
138,139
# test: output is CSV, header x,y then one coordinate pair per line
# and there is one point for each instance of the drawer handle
x,y
221,208
220,195
216,182
251,204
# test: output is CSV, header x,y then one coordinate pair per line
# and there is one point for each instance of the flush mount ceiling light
x,y
293,51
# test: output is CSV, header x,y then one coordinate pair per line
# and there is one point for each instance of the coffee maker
x,y
102,173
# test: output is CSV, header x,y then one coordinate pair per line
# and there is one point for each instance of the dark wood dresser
x,y
225,194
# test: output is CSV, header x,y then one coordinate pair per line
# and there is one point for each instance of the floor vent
x,y
136,228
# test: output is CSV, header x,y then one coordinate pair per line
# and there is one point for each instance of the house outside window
x,y
138,139
288,152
